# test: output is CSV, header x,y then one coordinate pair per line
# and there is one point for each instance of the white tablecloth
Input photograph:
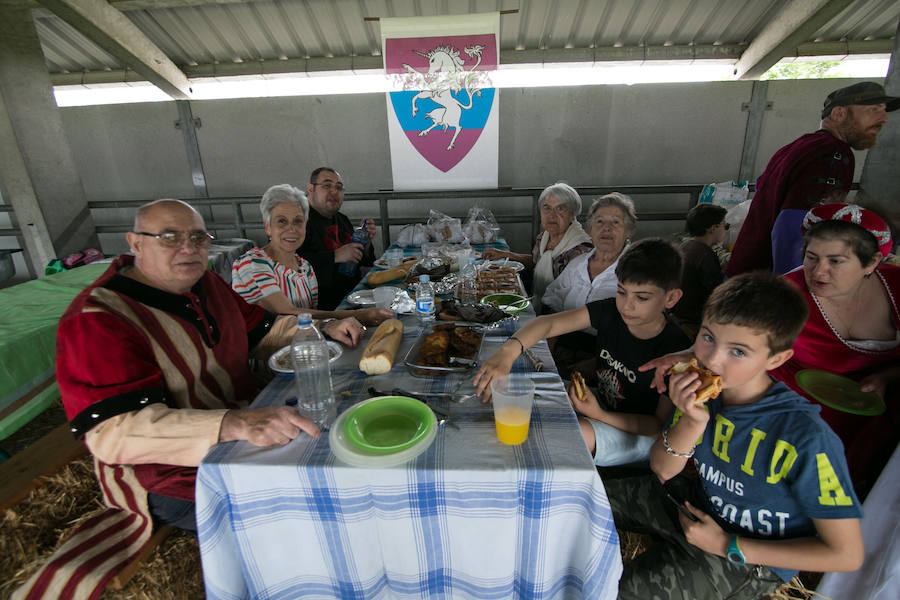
x,y
879,577
469,518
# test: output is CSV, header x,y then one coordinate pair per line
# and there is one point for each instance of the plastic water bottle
x,y
425,300
468,289
360,236
312,374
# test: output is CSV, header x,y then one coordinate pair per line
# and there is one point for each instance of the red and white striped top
x,y
255,275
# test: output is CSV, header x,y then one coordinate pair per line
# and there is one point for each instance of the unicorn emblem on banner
x,y
445,77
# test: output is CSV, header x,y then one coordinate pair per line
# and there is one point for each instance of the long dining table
x,y
467,518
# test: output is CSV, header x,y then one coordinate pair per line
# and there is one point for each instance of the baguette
x,y
378,355
579,385
398,272
710,383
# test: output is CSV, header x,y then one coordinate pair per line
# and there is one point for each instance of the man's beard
x,y
861,140
858,138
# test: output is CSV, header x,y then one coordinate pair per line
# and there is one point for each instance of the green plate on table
x,y
389,424
508,303
840,393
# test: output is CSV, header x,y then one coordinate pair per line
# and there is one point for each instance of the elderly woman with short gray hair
x,y
275,276
561,240
592,276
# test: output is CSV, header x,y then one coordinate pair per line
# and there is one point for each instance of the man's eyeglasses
x,y
176,239
328,186
560,209
725,226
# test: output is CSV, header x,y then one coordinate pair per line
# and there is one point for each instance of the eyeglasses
x,y
560,209
328,186
725,226
176,239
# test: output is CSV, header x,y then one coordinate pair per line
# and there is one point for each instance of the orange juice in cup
x,y
512,424
512,396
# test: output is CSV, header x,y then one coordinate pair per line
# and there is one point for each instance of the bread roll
x,y
378,356
580,386
710,383
398,272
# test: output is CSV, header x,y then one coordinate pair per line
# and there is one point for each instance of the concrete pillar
x,y
49,195
879,185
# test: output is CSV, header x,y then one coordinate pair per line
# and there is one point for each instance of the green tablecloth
x,y
29,313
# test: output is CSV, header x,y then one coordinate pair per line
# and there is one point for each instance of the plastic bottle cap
x,y
304,319
424,278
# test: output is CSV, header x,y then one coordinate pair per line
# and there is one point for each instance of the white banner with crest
x,y
443,121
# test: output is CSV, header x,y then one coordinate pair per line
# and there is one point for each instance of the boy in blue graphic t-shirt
x,y
773,495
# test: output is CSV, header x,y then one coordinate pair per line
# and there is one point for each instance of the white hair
x,y
283,193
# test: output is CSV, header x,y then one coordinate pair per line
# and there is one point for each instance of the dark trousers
x,y
671,568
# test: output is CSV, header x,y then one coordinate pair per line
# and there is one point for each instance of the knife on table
x,y
443,412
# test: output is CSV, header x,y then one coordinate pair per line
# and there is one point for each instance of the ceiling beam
x,y
793,25
114,32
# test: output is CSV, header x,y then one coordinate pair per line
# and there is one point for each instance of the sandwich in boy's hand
x,y
579,385
710,383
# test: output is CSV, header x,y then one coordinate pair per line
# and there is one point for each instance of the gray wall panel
x,y
129,151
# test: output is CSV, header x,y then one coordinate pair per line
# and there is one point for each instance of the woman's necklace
x,y
840,316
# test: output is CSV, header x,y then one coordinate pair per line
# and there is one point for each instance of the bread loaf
x,y
378,356
398,272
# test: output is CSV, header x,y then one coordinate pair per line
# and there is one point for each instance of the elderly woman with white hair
x,y
592,276
275,276
561,240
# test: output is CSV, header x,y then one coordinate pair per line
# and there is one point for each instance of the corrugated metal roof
x,y
197,33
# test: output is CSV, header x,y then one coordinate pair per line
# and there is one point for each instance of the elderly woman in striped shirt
x,y
275,276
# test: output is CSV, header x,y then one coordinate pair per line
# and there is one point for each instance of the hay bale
x,y
34,528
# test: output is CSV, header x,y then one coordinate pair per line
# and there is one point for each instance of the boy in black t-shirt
x,y
621,425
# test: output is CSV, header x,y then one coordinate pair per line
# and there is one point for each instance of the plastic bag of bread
x,y
378,355
481,226
412,235
443,228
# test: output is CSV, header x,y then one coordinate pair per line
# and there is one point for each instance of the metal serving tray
x,y
428,371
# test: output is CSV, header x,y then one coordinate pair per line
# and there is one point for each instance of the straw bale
x,y
31,531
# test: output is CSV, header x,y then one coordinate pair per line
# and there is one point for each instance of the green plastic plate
x,y
388,424
840,393
508,303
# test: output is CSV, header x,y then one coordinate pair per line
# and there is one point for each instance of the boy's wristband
x,y
670,450
522,351
734,554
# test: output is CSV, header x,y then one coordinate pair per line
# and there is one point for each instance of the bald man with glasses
x,y
152,361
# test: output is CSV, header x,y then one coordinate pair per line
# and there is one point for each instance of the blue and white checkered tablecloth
x,y
468,518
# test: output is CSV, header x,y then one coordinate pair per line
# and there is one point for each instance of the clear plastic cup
x,y
393,257
512,396
384,296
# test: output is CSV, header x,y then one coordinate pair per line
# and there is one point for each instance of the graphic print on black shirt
x,y
609,390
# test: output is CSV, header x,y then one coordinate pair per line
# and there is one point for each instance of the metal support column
x,y
756,108
879,186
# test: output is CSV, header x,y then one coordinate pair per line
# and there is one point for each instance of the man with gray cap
x,y
813,169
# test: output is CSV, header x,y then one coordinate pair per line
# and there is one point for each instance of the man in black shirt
x,y
328,234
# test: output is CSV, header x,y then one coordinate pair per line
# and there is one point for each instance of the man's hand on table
x,y
372,316
346,331
349,253
265,426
